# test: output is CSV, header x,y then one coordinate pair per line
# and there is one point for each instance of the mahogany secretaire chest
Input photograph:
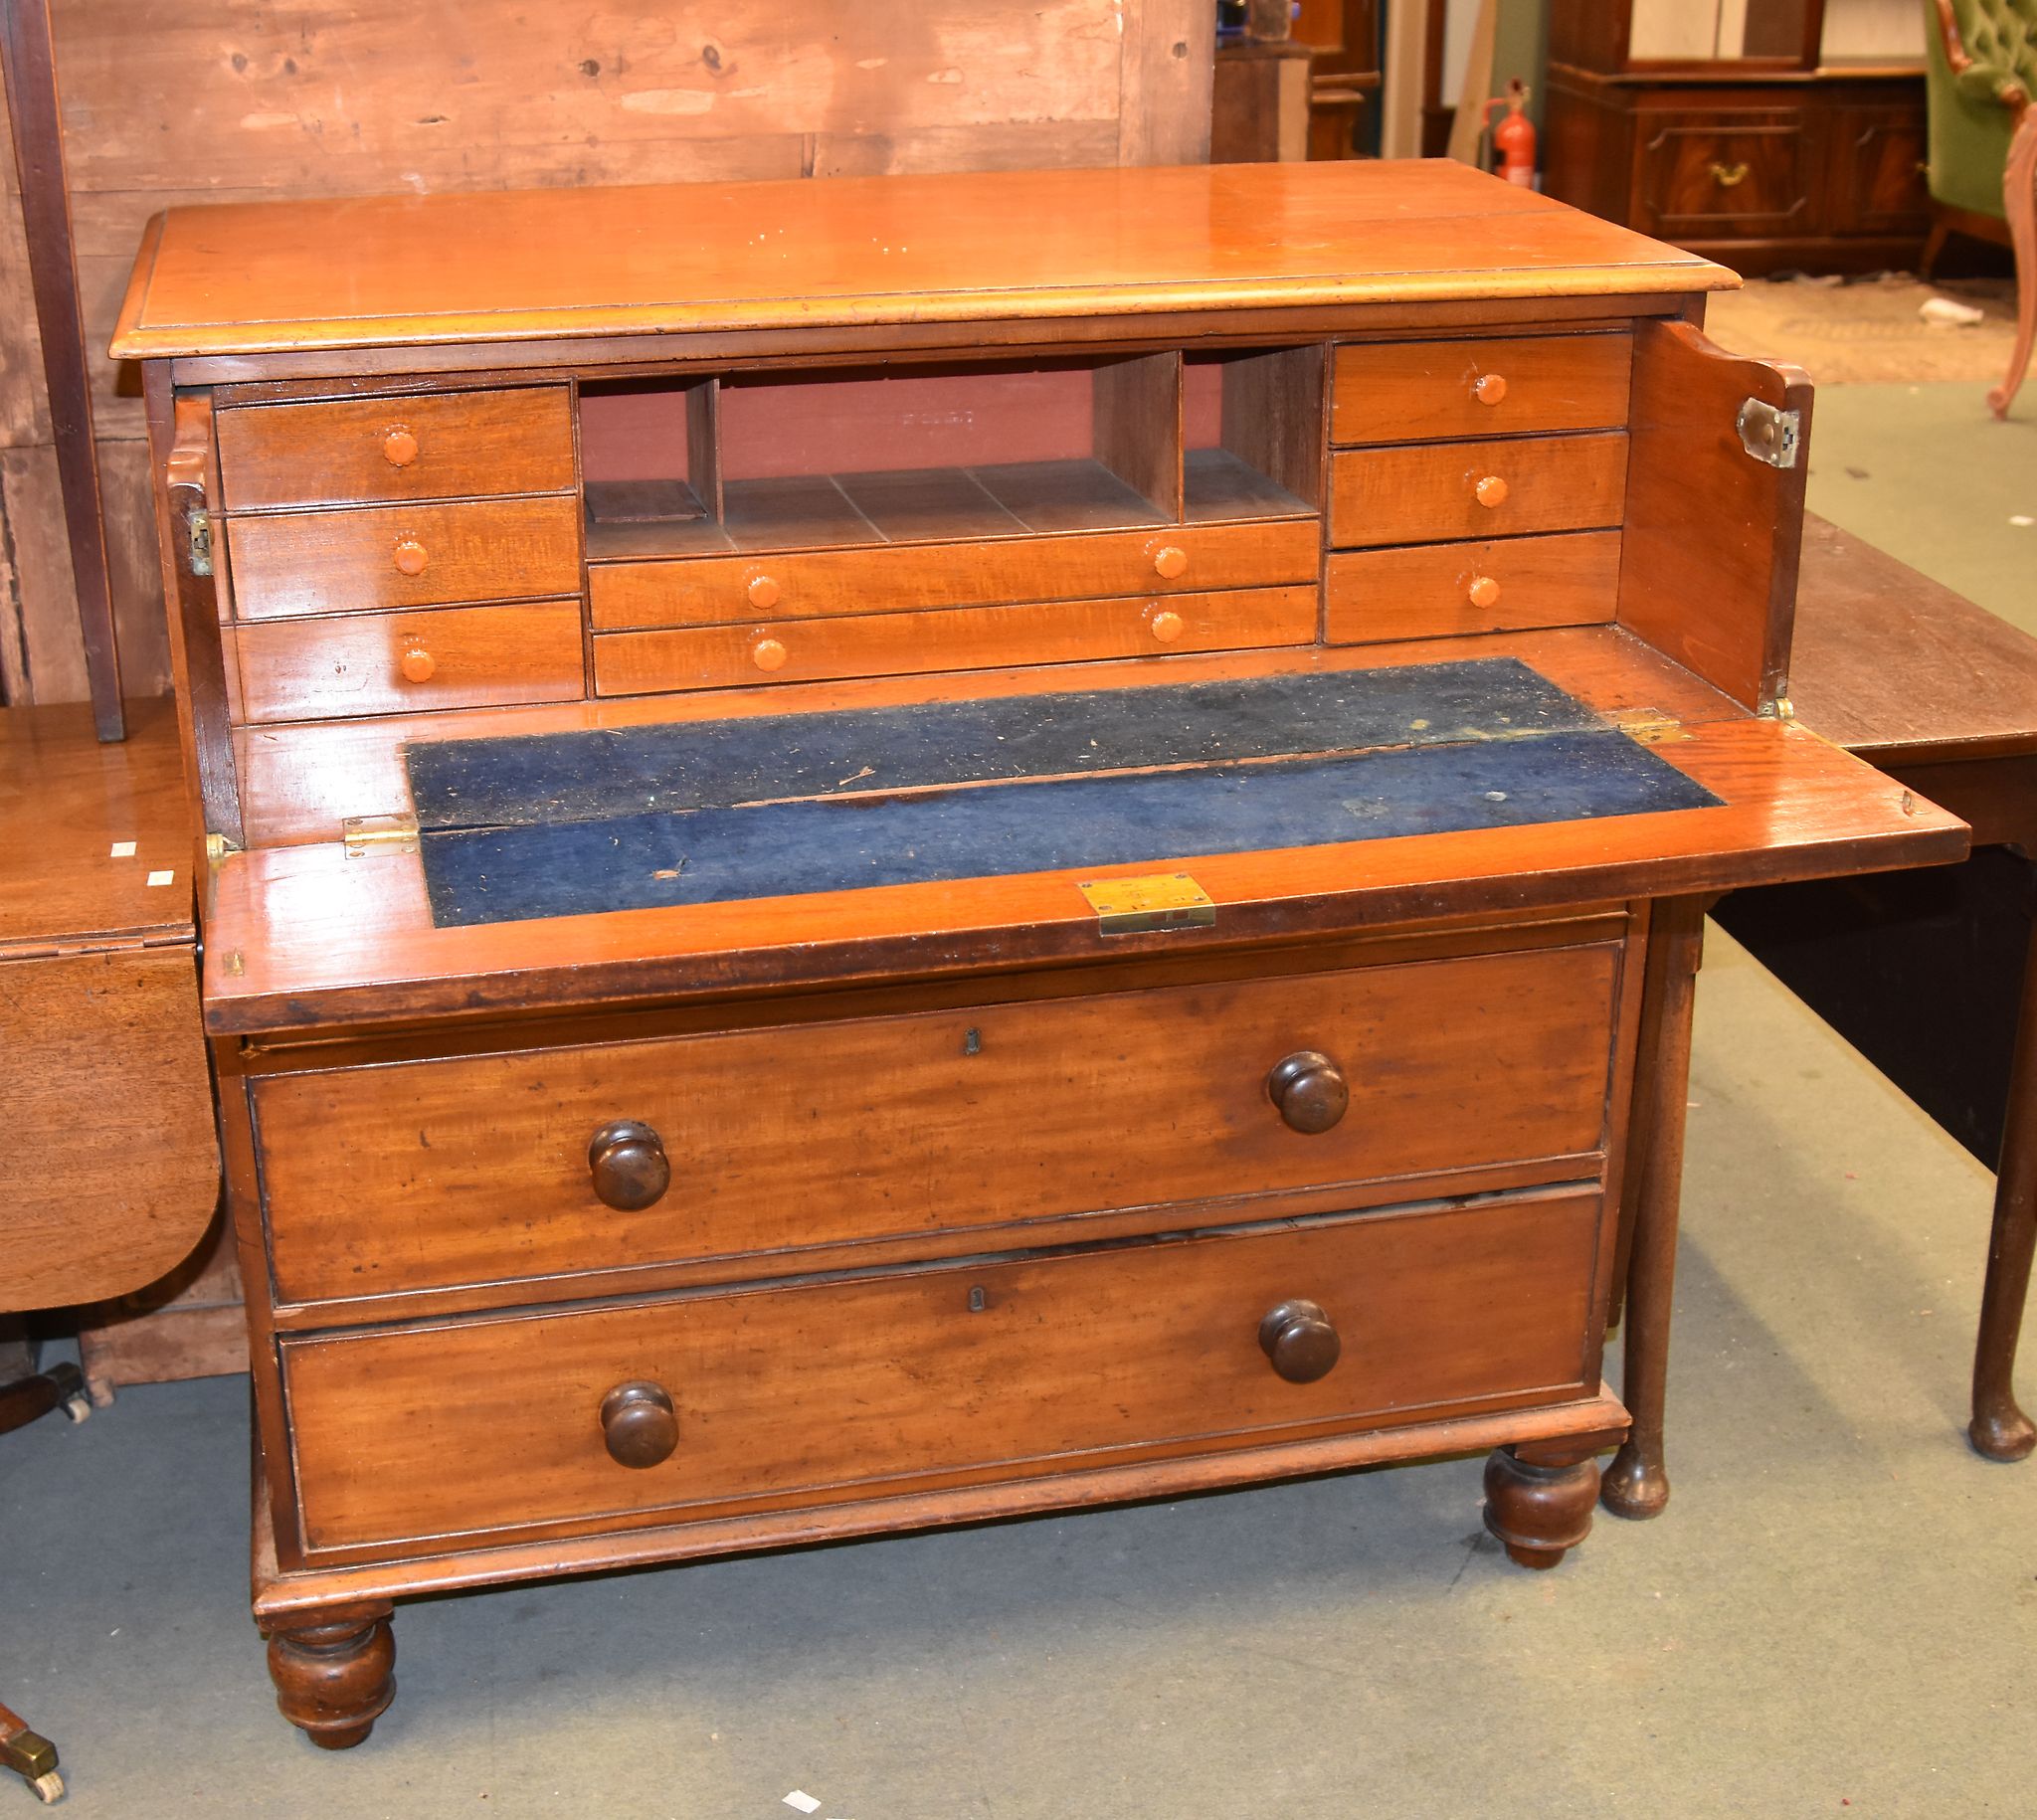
x,y
888,851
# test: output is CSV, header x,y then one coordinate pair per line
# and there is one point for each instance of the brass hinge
x,y
371,834
1769,435
1162,900
217,847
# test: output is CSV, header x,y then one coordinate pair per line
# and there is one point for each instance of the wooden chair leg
x,y
1636,1484
1999,1428
27,1398
2019,199
29,1756
1934,245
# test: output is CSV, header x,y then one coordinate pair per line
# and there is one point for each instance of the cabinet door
x,y
1726,174
1876,184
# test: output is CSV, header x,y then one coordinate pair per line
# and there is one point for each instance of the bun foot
x,y
334,1674
1634,1486
1538,1510
2003,1432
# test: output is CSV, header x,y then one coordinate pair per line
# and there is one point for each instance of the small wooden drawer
x,y
1429,391
1432,492
359,561
475,1171
370,449
410,662
818,1392
902,578
1449,590
968,638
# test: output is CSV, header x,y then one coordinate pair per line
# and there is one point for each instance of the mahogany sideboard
x,y
881,853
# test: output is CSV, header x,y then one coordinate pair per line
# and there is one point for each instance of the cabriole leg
x,y
1999,1428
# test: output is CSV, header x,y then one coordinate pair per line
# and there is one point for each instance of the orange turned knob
x,y
399,447
1485,592
1169,561
768,654
1491,490
639,1425
763,593
1168,627
1490,389
410,557
417,664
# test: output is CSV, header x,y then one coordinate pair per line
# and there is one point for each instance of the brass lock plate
x,y
1161,900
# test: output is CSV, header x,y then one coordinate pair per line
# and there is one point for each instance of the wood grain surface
x,y
1435,391
808,1392
476,1169
1428,492
1036,245
1426,591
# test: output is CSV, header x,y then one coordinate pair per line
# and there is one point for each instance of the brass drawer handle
x,y
417,664
1484,591
1310,1090
1490,491
1490,389
639,1425
629,1168
410,557
1300,1339
1729,177
400,447
768,654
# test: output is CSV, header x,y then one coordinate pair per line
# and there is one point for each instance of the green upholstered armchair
x,y
1984,143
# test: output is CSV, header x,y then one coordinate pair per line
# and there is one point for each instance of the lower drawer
x,y
477,1169
410,662
824,1392
1449,590
970,638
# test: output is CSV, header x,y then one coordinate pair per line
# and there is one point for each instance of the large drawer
x,y
1453,590
1428,492
477,1169
829,1390
966,638
897,578
1432,390
394,449
410,662
358,560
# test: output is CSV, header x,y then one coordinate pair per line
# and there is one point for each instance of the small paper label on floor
x,y
805,1802
122,849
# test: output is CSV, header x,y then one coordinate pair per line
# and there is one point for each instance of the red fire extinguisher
x,y
1513,139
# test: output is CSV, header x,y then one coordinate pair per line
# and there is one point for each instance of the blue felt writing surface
x,y
562,827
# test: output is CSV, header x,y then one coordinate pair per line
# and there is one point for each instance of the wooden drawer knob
x,y
1484,591
638,1424
628,1166
1300,1339
768,654
1491,490
410,557
1168,627
399,447
1170,560
1309,1089
763,593
1490,389
417,664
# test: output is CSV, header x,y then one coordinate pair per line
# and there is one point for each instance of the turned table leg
x,y
333,1672
1999,1428
1539,1497
1636,1484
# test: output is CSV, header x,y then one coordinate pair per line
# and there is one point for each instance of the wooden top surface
x,y
303,938
66,805
394,271
1889,663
